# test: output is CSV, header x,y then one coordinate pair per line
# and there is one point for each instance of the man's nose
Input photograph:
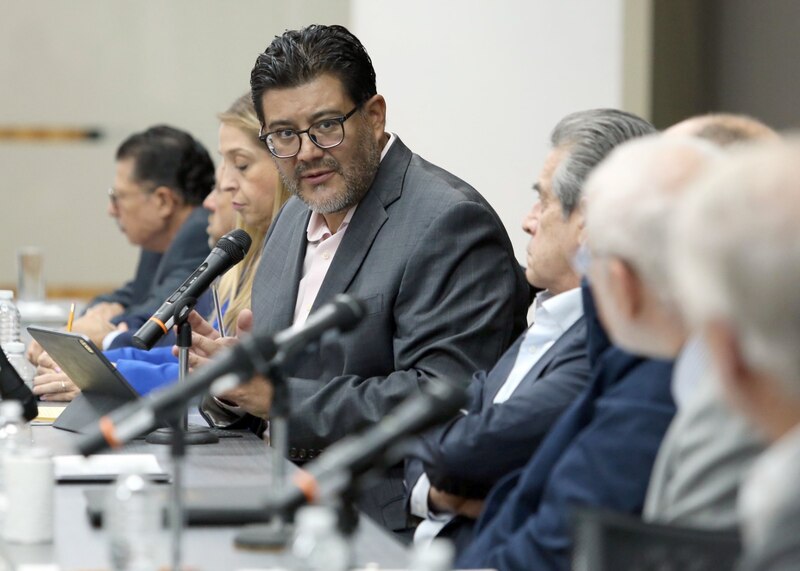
x,y
531,220
308,150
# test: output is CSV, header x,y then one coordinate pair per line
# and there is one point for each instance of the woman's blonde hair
x,y
236,285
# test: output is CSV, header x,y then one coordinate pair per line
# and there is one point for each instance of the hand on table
x,y
206,341
254,397
33,352
50,384
94,327
105,311
442,501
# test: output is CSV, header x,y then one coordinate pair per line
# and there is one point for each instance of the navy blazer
x,y
469,454
599,453
186,252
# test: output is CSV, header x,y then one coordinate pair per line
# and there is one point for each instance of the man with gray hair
x,y
737,281
630,199
516,403
601,450
708,448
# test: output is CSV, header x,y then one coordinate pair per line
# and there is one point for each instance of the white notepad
x,y
105,467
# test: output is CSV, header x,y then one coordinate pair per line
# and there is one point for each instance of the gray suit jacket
x,y
444,295
770,509
706,453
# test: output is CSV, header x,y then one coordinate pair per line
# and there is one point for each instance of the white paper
x,y
76,467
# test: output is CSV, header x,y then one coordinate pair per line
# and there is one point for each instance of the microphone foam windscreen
x,y
235,244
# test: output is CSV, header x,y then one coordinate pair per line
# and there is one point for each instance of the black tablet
x,y
103,388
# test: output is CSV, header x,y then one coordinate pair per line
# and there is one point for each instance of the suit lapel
x,y
367,221
499,373
292,272
541,365
558,347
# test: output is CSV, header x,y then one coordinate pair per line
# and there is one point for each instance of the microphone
x,y
236,364
12,387
343,313
331,473
229,251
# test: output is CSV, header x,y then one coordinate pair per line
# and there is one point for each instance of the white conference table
x,y
233,462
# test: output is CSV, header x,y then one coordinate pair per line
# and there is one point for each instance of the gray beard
x,y
357,179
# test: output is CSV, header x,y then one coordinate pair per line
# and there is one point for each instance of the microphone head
x,y
236,244
350,309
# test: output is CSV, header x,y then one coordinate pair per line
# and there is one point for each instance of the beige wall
x,y
472,85
120,66
476,86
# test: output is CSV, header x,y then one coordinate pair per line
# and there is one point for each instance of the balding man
x,y
737,281
724,129
708,449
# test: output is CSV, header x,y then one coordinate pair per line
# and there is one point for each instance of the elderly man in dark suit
x,y
423,250
162,176
601,451
516,403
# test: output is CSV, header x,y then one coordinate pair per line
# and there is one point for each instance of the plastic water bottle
x,y
133,521
15,351
9,318
15,437
318,544
15,432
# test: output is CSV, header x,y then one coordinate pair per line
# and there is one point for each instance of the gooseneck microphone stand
x,y
180,434
191,434
178,448
278,532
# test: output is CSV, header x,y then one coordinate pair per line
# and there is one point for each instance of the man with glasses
x,y
423,250
162,177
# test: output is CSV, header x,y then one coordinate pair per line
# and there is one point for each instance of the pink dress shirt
x,y
322,246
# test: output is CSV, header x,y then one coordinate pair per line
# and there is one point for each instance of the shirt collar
x,y
317,229
392,139
562,309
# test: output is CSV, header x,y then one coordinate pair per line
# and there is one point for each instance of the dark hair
x,y
589,136
299,56
165,156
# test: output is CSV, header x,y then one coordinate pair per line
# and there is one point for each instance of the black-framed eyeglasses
x,y
115,195
325,134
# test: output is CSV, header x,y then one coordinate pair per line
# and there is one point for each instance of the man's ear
x,y
375,113
626,287
579,220
166,201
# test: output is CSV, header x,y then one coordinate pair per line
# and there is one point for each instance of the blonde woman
x,y
247,181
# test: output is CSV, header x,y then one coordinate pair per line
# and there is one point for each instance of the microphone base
x,y
192,435
273,536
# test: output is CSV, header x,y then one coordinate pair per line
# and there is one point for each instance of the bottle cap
x,y
316,518
14,347
10,409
